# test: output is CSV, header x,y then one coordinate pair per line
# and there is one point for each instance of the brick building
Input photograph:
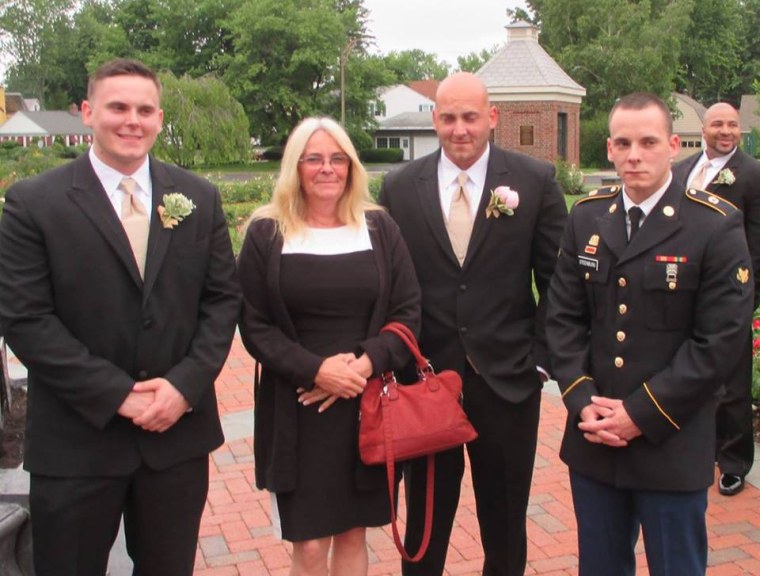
x,y
538,103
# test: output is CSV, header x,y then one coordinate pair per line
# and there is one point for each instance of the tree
x,y
474,61
713,49
203,123
613,48
28,33
409,65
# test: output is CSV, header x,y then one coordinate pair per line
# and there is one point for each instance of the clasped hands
x,y
154,405
606,421
340,376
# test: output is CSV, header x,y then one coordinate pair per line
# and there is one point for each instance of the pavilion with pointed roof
x,y
538,102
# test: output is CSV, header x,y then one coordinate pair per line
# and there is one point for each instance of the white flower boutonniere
x,y
725,176
176,208
504,200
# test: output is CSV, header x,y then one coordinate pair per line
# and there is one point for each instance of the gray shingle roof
x,y
408,121
523,65
748,113
52,122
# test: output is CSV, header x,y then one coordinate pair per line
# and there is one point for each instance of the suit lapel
x,y
612,228
158,240
497,169
87,192
430,204
733,164
658,226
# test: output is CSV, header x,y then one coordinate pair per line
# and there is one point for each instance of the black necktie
x,y
635,213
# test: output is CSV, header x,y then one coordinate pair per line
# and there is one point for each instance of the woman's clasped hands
x,y
340,376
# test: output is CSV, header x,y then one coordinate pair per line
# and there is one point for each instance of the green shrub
x,y
594,134
569,177
273,153
257,189
10,144
386,155
374,186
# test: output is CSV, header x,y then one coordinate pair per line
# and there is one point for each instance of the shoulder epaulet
x,y
601,193
710,200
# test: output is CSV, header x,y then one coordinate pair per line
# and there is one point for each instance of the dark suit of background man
x,y
480,317
122,412
652,292
722,134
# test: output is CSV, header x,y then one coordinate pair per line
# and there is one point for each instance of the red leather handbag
x,y
399,422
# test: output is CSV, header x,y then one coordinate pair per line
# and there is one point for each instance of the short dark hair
x,y
639,101
121,67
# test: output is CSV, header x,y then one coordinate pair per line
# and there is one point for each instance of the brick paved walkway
x,y
236,537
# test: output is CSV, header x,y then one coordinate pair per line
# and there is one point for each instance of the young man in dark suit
x,y
121,300
725,170
479,314
652,292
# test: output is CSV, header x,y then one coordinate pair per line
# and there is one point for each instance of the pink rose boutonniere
x,y
504,200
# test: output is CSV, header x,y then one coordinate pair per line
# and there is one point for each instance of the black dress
x,y
330,300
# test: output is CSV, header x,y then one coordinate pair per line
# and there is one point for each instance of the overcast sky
x,y
447,28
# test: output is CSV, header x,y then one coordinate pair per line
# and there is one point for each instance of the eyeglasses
x,y
317,161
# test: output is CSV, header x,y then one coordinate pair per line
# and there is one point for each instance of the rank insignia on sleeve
x,y
742,275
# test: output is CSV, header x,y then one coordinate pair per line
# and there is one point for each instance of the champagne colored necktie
x,y
136,223
459,225
699,178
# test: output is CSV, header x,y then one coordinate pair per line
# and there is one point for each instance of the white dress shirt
x,y
110,179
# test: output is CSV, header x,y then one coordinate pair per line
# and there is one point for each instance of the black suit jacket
x,y
744,193
485,310
651,322
78,315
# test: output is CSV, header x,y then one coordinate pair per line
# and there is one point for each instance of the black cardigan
x,y
269,336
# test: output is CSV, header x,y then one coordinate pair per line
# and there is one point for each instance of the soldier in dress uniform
x,y
652,292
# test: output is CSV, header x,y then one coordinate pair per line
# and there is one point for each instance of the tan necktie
x,y
135,220
699,178
459,225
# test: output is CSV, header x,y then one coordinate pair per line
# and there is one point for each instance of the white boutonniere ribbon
x,y
176,208
504,200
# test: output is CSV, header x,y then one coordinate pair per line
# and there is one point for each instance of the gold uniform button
x,y
587,275
619,362
623,309
620,336
622,282
671,285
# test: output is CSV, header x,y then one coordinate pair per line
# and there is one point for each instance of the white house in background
x,y
45,126
405,118
397,99
688,125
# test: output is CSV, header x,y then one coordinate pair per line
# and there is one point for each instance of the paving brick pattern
x,y
236,536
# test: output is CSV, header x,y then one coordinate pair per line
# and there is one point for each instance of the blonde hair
x,y
288,206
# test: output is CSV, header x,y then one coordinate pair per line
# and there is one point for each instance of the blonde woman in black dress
x,y
322,269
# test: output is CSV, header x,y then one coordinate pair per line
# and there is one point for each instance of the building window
x,y
382,142
394,142
526,135
562,135
406,143
425,107
377,108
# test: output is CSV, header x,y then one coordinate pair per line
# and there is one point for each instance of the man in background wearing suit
x,y
121,300
652,292
734,175
479,314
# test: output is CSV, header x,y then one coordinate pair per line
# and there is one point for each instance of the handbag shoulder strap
x,y
406,335
390,466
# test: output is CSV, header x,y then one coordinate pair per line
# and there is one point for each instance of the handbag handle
x,y
406,335
390,466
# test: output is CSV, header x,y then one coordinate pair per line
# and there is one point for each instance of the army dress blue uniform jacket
x,y
652,322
